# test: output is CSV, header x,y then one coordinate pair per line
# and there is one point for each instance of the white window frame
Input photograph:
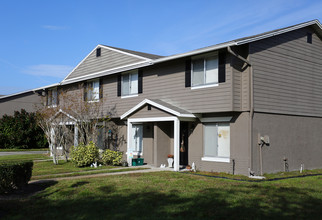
x,y
215,158
205,58
130,94
93,93
52,97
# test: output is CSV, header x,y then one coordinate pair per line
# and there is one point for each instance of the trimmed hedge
x,y
84,155
14,175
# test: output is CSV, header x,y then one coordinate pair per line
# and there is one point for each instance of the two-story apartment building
x,y
248,105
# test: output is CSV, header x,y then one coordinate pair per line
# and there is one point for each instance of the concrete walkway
x,y
149,170
21,152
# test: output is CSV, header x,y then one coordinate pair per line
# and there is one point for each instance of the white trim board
x,y
166,109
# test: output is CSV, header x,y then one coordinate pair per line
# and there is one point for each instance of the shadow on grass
x,y
8,201
246,201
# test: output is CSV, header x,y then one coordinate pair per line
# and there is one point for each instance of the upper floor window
x,y
52,97
92,90
204,71
130,84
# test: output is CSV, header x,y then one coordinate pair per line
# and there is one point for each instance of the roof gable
x,y
110,58
166,107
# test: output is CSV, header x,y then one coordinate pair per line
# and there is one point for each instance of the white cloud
x,y
58,71
53,27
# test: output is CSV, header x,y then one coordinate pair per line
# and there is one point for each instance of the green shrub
x,y
21,131
14,175
110,157
84,155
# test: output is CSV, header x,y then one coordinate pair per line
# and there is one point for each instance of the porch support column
x,y
129,142
75,136
176,143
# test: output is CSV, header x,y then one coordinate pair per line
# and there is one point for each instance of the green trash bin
x,y
140,161
137,161
134,162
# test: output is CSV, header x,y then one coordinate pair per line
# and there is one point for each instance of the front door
x,y
137,139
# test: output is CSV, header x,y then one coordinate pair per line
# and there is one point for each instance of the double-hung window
x,y
216,142
130,84
92,90
52,97
204,71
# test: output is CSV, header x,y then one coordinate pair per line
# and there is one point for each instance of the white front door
x,y
137,139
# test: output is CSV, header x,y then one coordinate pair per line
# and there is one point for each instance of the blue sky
x,y
42,41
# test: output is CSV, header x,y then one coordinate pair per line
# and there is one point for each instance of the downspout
x,y
251,112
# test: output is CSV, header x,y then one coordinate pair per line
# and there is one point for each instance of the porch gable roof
x,y
160,105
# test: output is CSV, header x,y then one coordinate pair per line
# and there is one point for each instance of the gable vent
x,y
98,52
309,38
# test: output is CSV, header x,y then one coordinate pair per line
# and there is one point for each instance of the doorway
x,y
184,139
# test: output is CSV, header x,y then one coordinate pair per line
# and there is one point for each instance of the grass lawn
x,y
24,157
169,195
47,170
13,150
48,167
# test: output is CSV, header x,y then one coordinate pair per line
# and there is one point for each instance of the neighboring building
x,y
252,104
30,100
27,100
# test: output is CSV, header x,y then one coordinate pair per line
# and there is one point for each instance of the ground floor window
x,y
216,139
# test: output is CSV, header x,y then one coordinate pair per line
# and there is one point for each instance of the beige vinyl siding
x,y
288,74
167,82
109,59
240,80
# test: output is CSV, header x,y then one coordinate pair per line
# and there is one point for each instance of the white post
x,y
176,144
129,142
52,134
75,136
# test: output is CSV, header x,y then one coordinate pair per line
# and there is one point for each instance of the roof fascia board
x,y
279,32
31,90
166,109
107,72
192,53
126,53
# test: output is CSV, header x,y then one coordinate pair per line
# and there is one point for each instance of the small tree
x,y
54,122
87,116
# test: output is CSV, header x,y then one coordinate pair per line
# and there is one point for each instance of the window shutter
x,y
101,88
58,91
140,82
85,91
188,73
46,95
119,81
222,67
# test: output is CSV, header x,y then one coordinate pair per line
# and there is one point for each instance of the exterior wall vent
x,y
149,107
98,52
309,38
